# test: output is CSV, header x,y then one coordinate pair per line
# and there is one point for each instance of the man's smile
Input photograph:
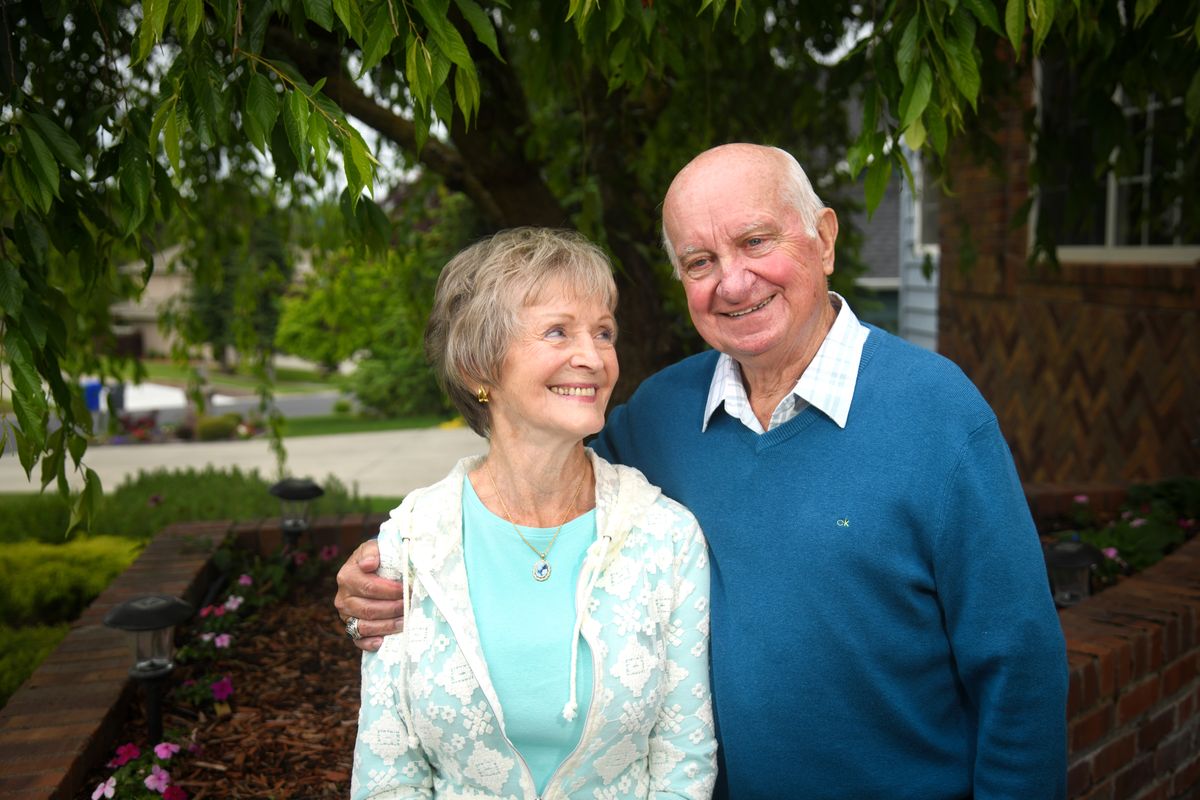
x,y
750,310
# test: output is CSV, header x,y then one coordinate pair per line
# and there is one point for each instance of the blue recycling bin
x,y
91,394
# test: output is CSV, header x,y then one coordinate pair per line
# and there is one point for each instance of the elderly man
x,y
881,621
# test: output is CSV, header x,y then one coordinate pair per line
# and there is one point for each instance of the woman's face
x,y
559,373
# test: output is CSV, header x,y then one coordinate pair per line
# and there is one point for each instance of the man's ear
x,y
827,231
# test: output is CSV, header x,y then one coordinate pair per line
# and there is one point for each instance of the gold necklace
x,y
541,567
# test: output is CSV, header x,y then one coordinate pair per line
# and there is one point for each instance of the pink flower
x,y
233,602
165,750
329,552
173,792
1081,499
1186,523
1137,523
218,611
299,557
245,580
207,637
1110,552
158,779
222,689
125,754
223,640
106,789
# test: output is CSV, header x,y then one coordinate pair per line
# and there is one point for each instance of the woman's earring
x,y
482,395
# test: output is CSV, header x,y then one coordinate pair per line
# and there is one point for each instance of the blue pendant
x,y
541,570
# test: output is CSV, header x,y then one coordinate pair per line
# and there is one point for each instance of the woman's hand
x,y
376,602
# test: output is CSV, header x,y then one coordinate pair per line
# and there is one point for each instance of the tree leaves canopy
x,y
117,114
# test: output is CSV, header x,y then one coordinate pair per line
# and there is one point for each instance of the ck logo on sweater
x,y
844,523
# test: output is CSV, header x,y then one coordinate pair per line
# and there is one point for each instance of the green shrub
x,y
42,517
144,505
21,650
50,583
342,406
214,429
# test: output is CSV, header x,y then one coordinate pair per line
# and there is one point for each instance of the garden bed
x,y
290,723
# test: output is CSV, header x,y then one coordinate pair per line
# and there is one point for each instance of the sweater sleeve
x,y
682,744
1004,630
389,763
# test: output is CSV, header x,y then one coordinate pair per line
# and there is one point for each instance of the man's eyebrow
x,y
758,226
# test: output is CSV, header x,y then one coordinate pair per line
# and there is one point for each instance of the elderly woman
x,y
556,606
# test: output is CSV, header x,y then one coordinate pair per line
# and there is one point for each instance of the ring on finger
x,y
352,629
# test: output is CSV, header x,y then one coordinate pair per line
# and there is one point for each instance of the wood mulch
x,y
294,710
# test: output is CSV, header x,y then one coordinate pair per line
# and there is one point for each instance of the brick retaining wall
x,y
1134,653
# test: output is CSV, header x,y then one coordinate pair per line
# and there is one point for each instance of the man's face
x,y
755,279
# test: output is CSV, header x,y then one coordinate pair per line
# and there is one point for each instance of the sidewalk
x,y
389,464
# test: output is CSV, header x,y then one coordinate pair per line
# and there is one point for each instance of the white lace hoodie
x,y
430,724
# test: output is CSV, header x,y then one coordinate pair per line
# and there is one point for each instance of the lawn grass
x,y
287,380
345,423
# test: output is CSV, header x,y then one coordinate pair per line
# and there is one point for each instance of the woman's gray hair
x,y
480,294
795,189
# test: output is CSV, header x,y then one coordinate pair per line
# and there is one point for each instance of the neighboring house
x,y
1093,368
900,244
136,321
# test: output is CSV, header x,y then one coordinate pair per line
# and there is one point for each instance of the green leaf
x,y
380,35
443,105
320,12
960,55
86,503
985,12
262,108
166,109
318,137
28,397
1014,24
1041,19
1192,102
914,135
935,128
916,96
77,445
29,190
171,138
39,158
879,174
12,290
444,35
481,24
419,71
54,457
194,11
351,17
65,149
466,91
906,53
134,178
295,122
154,17
614,15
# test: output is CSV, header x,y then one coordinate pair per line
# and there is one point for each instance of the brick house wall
x,y
1094,369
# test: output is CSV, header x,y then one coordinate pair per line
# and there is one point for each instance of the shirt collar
x,y
827,383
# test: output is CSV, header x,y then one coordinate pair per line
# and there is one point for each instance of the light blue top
x,y
525,628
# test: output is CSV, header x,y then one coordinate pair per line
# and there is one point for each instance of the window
x,y
1137,201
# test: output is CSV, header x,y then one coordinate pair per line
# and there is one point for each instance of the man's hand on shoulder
x,y
377,603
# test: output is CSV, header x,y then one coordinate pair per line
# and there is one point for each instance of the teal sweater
x,y
882,625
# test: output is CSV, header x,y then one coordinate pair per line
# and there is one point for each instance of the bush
x,y
51,583
214,429
21,650
41,517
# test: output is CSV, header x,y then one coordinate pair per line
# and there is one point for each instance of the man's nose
x,y
736,280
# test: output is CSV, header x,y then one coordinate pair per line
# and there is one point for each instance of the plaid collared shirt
x,y
827,383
